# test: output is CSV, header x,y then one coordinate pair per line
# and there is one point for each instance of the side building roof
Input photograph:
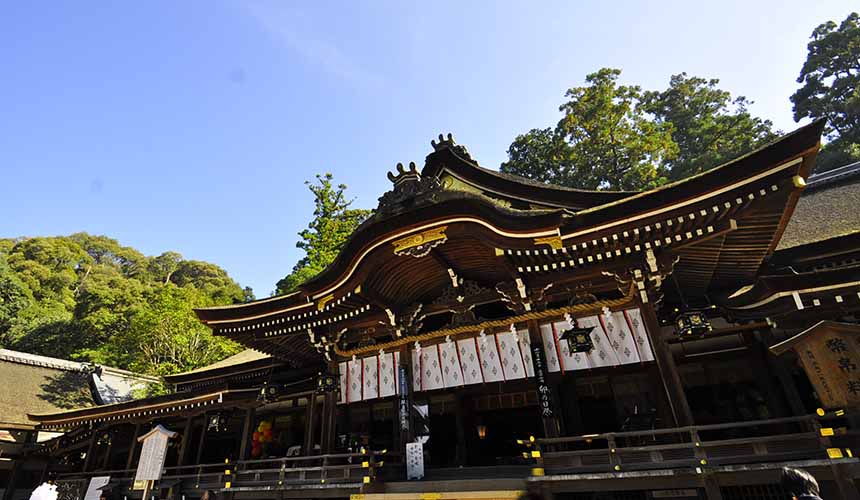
x,y
41,384
829,207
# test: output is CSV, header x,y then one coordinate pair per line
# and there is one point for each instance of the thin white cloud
x,y
292,27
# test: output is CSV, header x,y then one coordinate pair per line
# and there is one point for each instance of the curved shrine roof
x,y
722,224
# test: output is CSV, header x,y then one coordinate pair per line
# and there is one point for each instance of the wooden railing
x,y
347,470
775,440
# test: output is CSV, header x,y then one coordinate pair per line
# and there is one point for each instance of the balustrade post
x,y
699,451
614,459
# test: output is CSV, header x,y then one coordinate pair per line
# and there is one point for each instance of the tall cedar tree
x,y
604,141
831,89
708,125
618,137
333,223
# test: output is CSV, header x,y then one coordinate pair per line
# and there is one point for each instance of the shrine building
x,y
482,335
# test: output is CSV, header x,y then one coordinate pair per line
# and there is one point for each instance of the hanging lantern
x,y
268,393
482,431
690,324
104,439
578,339
217,422
327,382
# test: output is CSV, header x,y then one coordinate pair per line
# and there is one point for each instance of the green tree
x,y
831,89
87,297
164,336
604,141
619,137
14,297
333,223
709,126
162,267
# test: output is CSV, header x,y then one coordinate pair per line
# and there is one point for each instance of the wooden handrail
x,y
687,447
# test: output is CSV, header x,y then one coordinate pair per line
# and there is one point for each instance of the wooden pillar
x,y
310,423
247,431
106,460
329,420
90,450
712,487
669,377
779,366
403,415
775,400
186,440
13,479
203,427
131,449
546,403
842,477
570,408
460,416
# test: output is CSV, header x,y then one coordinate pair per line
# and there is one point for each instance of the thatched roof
x,y
35,384
39,388
828,208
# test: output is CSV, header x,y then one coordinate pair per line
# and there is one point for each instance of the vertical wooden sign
x,y
152,455
829,353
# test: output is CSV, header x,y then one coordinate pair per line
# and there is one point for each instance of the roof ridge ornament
x,y
449,143
410,190
404,175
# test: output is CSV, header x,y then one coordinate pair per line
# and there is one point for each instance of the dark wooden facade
x,y
461,262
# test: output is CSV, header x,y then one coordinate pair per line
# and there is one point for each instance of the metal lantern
x,y
217,422
327,382
268,393
578,339
104,439
692,324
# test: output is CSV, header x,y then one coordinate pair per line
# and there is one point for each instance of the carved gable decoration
x,y
420,244
410,190
458,294
519,299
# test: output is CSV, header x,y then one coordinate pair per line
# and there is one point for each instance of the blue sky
x,y
192,126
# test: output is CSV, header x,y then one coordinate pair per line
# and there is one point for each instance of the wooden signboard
x,y
94,490
829,353
152,455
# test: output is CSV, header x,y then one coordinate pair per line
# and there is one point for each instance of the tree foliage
x,y
603,141
89,298
831,89
619,137
709,126
333,222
